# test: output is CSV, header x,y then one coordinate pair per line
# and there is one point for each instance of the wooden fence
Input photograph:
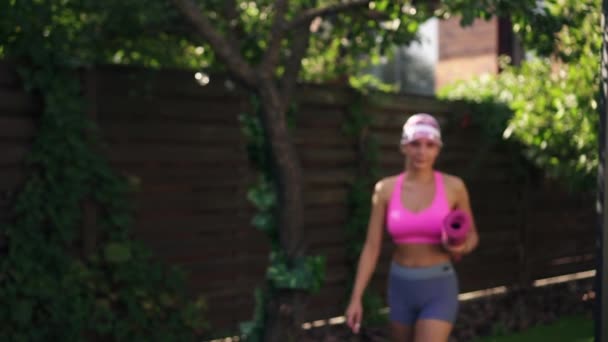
x,y
182,143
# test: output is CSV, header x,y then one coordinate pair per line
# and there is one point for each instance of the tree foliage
x,y
552,96
154,34
81,33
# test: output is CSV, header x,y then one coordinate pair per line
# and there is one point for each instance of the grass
x,y
569,329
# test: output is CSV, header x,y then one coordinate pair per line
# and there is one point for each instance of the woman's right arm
x,y
369,254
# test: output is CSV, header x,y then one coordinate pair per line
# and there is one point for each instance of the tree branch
x,y
221,46
232,18
230,11
308,15
277,33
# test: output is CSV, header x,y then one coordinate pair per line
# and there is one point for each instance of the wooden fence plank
x,y
15,102
167,83
16,128
328,176
328,155
182,110
9,79
13,153
11,176
322,138
153,132
138,153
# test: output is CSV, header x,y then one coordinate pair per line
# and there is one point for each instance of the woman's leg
x,y
401,301
432,330
401,332
436,318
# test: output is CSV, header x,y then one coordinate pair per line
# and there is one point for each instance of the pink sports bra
x,y
421,227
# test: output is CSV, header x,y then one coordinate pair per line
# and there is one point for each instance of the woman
x,y
423,287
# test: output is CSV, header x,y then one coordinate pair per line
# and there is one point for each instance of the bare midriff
x,y
420,255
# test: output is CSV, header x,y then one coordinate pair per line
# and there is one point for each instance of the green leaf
x,y
264,222
117,252
22,312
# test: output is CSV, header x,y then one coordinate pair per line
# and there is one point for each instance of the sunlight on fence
x,y
564,278
462,297
470,295
226,339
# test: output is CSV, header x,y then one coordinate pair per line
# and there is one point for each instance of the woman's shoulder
x,y
385,185
452,182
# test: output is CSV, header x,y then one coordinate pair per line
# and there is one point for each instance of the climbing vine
x,y
52,288
306,273
358,128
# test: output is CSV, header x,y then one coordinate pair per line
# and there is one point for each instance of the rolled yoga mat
x,y
456,226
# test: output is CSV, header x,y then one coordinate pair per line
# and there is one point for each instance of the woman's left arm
x,y
463,203
460,195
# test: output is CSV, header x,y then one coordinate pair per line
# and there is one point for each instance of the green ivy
x,y
306,273
358,128
302,274
113,292
52,288
254,330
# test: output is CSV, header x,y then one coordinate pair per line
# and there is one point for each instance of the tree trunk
x,y
283,309
286,169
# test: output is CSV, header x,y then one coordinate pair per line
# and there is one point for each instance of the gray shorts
x,y
422,293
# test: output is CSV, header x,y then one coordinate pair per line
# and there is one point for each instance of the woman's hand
x,y
457,250
354,315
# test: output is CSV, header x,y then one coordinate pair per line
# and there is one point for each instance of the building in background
x,y
447,52
472,51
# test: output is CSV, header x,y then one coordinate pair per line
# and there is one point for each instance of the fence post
x,y
601,279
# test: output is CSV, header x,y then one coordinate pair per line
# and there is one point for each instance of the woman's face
x,y
421,153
